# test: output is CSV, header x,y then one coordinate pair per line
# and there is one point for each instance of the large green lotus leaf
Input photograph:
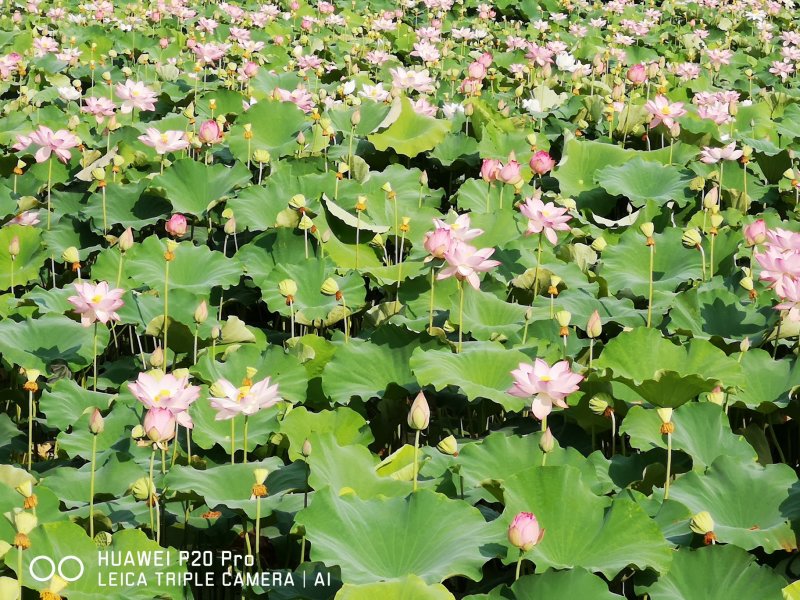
x,y
13,440
25,267
425,534
581,529
486,316
642,180
478,197
372,115
348,374
274,126
345,424
645,362
581,303
232,485
70,232
348,469
112,478
408,588
580,162
282,368
767,382
626,264
194,188
411,133
209,431
561,585
456,146
712,310
77,441
702,431
57,540
727,491
37,343
65,402
129,205
195,268
482,370
716,573
496,458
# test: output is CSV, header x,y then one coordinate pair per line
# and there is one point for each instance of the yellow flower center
x,y
544,378
243,392
164,138
162,395
666,110
97,298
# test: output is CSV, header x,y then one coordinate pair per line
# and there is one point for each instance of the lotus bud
x,y
419,416
599,244
448,446
96,422
142,488
306,449
563,317
355,118
648,229
524,532
330,287
691,238
297,201
70,255
305,223
216,333
717,396
423,179
201,313
703,524
13,247
744,345
126,240
157,358
547,442
261,156
230,226
159,423
594,327
712,198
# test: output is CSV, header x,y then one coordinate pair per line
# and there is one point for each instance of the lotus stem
x,y
460,315
151,492
650,286
233,440
91,485
291,315
591,352
669,466
166,314
777,334
245,439
163,460
30,429
194,346
702,259
49,185
19,569
519,566
105,218
711,258
430,310
358,234
613,433
538,267
416,459
94,358
346,322
258,532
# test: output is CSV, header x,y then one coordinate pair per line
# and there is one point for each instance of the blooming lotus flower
x,y
711,155
548,385
490,168
159,424
524,532
548,218
159,390
27,218
664,111
168,141
177,225
790,296
542,162
755,233
96,302
460,229
245,400
49,142
99,107
465,262
776,266
135,94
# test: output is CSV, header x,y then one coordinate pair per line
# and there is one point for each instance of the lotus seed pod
x,y
330,287
261,156
747,283
297,201
70,255
142,488
419,415
102,539
691,238
599,245
260,475
555,281
25,489
547,442
647,228
387,187
702,523
305,223
600,403
287,287
25,522
697,184
563,317
716,396
137,432
118,160
448,445
665,414
172,245
716,220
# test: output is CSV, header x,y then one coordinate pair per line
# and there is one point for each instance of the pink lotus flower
x,y
542,162
511,172
547,385
490,168
177,225
524,532
460,229
96,302
637,74
437,242
168,141
28,218
99,107
465,262
783,240
790,294
135,94
159,425
664,111
711,155
245,400
545,217
755,233
777,266
49,142
159,390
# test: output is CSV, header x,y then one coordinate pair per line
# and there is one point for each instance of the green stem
x,y
258,533
245,439
151,491
591,352
94,357
30,429
519,566
19,569
538,267
669,466
416,461
166,313
233,439
105,219
49,185
650,286
163,460
613,434
91,486
460,315
430,310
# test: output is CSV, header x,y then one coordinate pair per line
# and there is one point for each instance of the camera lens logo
x,y
64,570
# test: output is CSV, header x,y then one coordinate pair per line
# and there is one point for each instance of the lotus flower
x,y
177,226
159,390
135,94
548,218
541,162
231,401
465,262
96,302
159,425
524,532
49,142
664,111
713,155
755,233
163,142
548,385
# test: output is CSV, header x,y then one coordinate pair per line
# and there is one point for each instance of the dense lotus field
x,y
410,300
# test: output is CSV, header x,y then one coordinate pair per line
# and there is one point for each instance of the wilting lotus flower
x,y
135,94
524,532
96,302
548,218
58,143
168,141
159,424
548,385
246,400
465,262
210,132
177,225
159,390
542,162
755,233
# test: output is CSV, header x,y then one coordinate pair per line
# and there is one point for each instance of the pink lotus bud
x,y
524,532
755,233
419,416
542,162
476,70
511,172
490,168
210,132
594,327
637,74
126,240
438,241
176,226
250,69
306,24
485,59
96,422
294,5
13,247
159,424
163,42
